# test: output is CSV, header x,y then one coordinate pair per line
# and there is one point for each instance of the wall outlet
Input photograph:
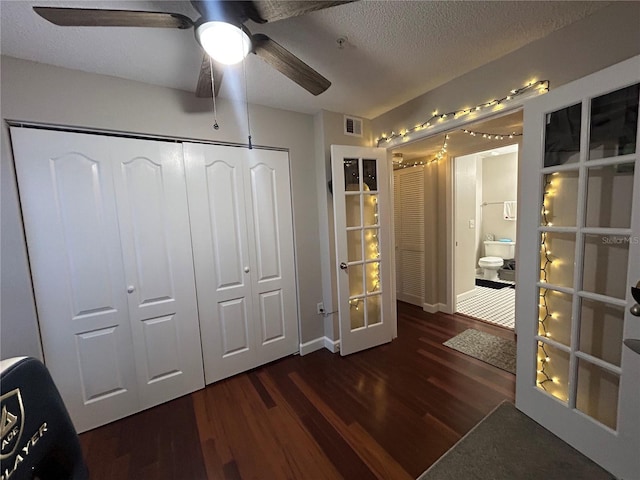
x,y
320,307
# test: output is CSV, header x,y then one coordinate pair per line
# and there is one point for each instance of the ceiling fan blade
x,y
273,10
204,80
289,65
91,17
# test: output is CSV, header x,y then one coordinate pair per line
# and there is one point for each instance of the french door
x,y
579,256
361,205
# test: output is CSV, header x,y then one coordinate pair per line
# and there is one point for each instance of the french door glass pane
x,y
354,245
556,258
374,309
356,313
560,199
352,210
553,371
356,284
372,242
562,136
554,316
597,393
614,123
606,258
609,190
370,174
601,327
351,175
370,206
373,277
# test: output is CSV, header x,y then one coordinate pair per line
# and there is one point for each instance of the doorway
x,y
431,161
484,222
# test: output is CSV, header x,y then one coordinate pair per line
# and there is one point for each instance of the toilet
x,y
496,252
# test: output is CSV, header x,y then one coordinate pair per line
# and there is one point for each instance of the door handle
x,y
635,292
633,344
343,266
130,289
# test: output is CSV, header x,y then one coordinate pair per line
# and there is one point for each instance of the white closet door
x,y
154,226
221,256
70,218
270,225
240,208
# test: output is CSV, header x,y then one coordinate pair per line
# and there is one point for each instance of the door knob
x,y
343,266
130,289
246,269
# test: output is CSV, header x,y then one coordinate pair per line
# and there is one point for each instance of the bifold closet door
x,y
108,237
242,232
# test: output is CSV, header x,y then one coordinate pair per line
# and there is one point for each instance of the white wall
x,y
607,37
465,207
499,184
35,92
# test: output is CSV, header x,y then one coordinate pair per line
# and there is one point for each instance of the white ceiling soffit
x,y
396,50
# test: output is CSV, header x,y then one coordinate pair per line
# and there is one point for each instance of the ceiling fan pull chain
x,y
213,96
246,100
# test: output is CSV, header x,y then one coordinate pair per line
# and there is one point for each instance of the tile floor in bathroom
x,y
492,305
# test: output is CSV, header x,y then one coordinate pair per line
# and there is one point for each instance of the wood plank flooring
x,y
385,413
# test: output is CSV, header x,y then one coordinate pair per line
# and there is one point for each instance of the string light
x,y
492,136
544,359
397,164
545,315
546,261
542,86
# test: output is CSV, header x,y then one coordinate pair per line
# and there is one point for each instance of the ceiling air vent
x,y
352,126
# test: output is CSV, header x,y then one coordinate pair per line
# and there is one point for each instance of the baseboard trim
x,y
312,346
323,342
465,295
332,345
427,307
438,307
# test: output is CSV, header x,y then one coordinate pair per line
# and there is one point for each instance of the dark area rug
x,y
480,282
493,350
508,445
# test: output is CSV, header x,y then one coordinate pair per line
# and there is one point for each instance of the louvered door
x,y
409,231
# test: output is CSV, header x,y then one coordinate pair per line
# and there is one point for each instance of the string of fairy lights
x,y
545,314
374,245
398,164
436,118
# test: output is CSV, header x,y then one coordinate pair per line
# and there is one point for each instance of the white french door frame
x,y
615,450
375,334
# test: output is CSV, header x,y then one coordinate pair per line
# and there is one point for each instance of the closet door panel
x,y
272,316
70,219
154,225
221,255
271,233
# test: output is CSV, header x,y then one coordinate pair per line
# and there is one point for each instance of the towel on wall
x,y
510,209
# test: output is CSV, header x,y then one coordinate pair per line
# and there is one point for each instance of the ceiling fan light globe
x,y
225,43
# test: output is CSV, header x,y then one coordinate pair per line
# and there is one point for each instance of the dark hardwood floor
x,y
385,413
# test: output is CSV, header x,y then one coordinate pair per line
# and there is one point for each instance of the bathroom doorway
x,y
484,222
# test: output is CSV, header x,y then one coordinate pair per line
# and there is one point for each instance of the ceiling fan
x,y
220,31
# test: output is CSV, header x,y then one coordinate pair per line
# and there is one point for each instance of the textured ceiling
x,y
396,50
